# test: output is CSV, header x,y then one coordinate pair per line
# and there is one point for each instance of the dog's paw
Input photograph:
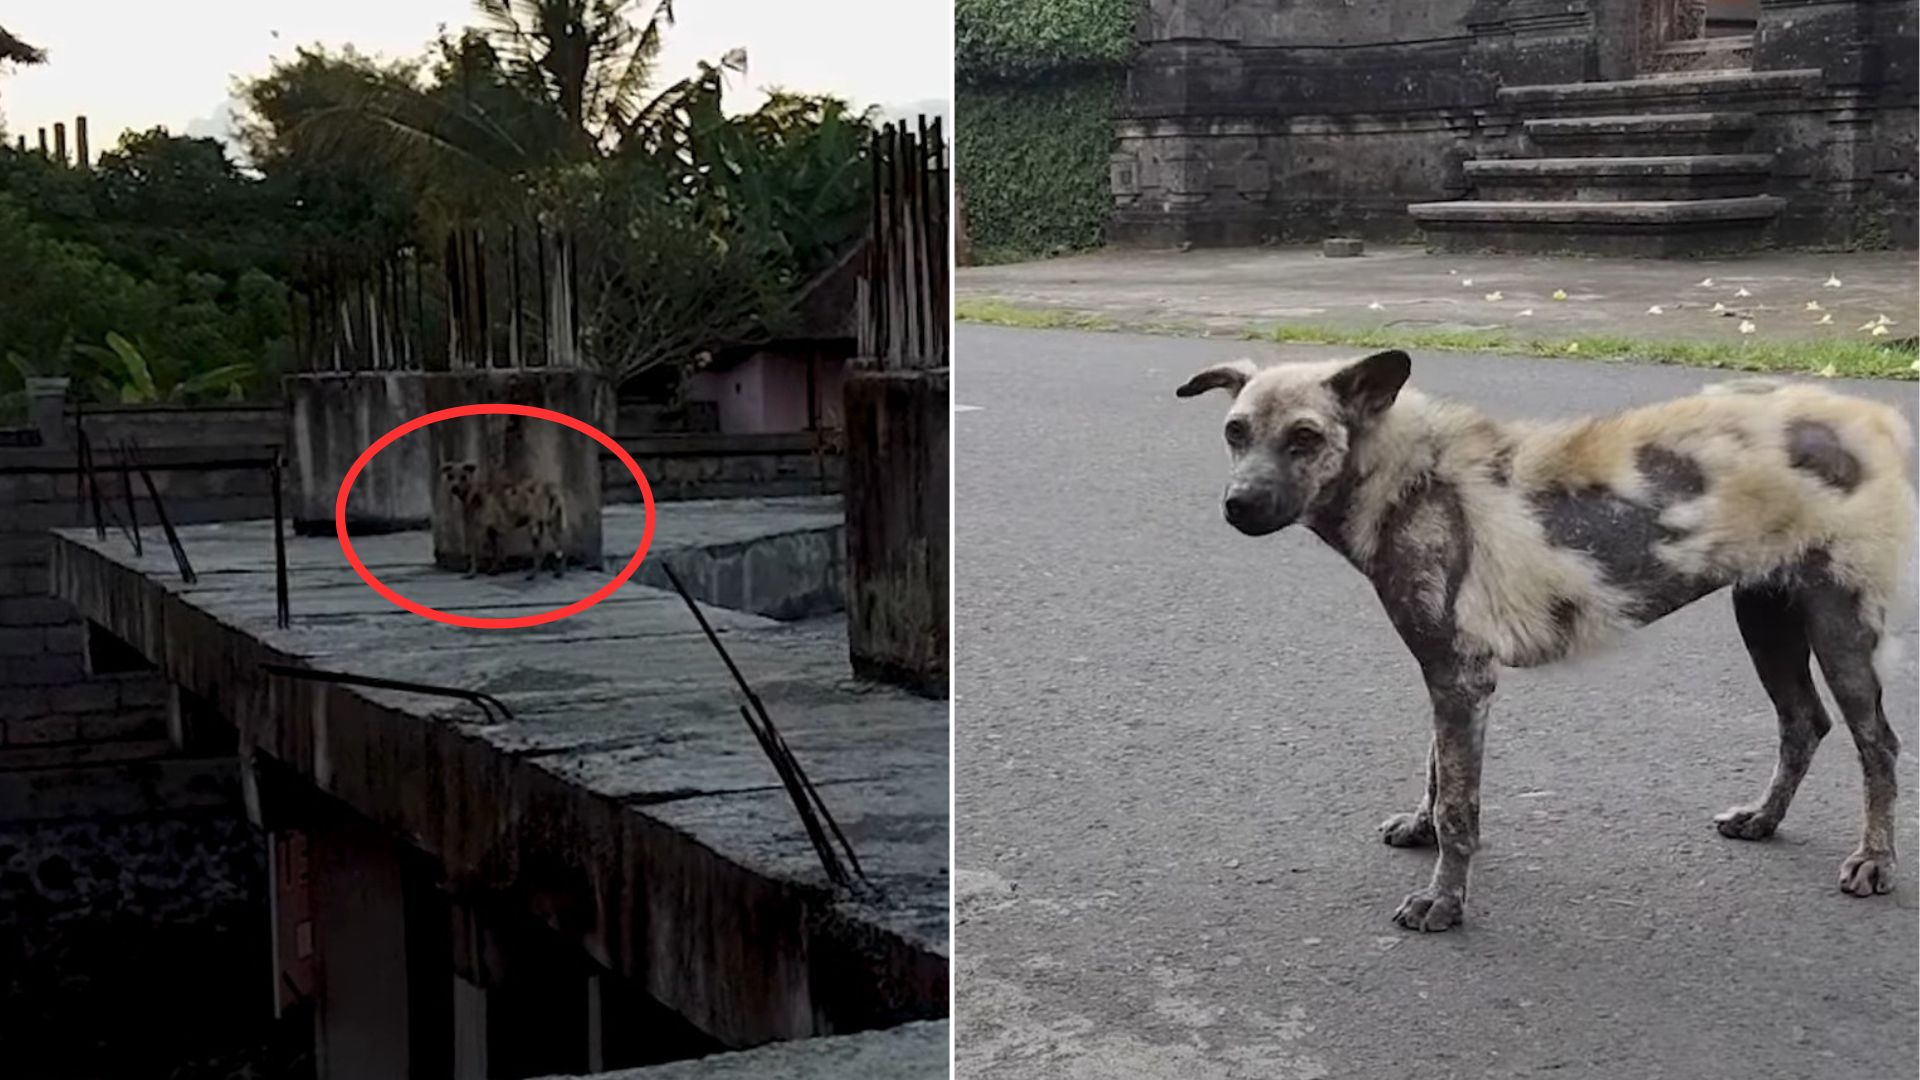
x,y
1430,910
1407,830
1744,823
1867,872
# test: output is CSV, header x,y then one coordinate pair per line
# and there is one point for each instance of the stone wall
x,y
1246,123
724,467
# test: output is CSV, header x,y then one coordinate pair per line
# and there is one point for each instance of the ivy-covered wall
x,y
1038,84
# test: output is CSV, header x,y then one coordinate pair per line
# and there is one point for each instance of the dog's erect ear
x,y
1231,376
1368,386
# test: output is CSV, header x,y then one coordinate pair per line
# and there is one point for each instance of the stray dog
x,y
1520,543
494,511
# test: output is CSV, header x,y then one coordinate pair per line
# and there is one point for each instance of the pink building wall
x,y
767,392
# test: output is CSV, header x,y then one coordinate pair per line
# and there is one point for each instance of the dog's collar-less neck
x,y
1332,518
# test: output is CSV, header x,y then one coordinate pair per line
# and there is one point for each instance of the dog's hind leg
x,y
1414,829
1774,625
1844,632
1461,689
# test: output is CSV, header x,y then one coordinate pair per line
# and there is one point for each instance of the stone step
x,y
1729,53
1687,92
1653,134
1621,179
1651,228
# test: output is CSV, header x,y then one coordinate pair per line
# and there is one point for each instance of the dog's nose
x,y
1239,508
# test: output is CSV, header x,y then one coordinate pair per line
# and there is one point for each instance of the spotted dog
x,y
1520,544
492,512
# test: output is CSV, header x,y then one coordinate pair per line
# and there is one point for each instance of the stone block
x,y
1342,247
517,448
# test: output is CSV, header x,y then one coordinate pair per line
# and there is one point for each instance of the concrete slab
x,y
1235,290
908,1052
626,776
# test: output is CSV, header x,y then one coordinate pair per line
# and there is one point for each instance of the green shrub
x,y
1032,157
1013,39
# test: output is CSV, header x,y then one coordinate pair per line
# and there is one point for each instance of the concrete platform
x,y
626,782
908,1052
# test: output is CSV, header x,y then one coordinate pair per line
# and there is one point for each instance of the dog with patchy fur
x,y
1519,544
492,512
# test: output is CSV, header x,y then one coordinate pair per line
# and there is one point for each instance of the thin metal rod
x,y
166,524
133,509
283,612
486,703
93,486
806,800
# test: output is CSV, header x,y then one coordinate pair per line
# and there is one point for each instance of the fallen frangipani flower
x,y
1656,310
1867,328
1559,294
1828,372
1825,320
1376,306
1878,331
1573,346
1706,283
1884,321
1496,295
1814,305
1718,306
1915,365
1832,282
1746,326
1528,311
1742,291
1466,283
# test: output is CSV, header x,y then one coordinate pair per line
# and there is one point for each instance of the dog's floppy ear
x,y
1368,386
1230,376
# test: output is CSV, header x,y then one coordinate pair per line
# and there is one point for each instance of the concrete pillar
x,y
469,1030
60,143
897,521
43,140
80,155
47,406
331,418
360,933
516,448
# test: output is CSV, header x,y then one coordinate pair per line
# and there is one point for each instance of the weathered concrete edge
x,y
748,958
789,575
916,1051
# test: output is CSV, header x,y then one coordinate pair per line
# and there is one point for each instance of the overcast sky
x,y
138,63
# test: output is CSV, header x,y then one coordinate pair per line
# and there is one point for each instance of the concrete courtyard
x,y
1173,744
1240,289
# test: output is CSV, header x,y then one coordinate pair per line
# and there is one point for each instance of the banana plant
x,y
126,376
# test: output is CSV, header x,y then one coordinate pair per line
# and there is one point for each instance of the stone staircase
x,y
1666,164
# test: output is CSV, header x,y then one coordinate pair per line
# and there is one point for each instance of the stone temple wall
x,y
1248,123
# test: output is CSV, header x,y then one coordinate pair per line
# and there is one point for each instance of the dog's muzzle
x,y
1252,514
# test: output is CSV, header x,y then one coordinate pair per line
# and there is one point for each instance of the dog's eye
x,y
1238,431
1304,440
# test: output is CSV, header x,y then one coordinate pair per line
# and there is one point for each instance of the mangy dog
x,y
1519,543
494,511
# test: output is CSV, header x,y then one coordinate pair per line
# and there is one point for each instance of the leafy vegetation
x,y
1038,83
167,271
1015,39
1835,357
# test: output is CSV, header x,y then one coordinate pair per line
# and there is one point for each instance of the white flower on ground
x,y
1867,328
1884,321
1573,346
1828,372
1706,283
1466,282
1878,331
1656,310
1814,305
1527,311
1718,306
1915,365
1559,294
1746,326
1496,295
1742,291
1376,306
1832,282
1825,320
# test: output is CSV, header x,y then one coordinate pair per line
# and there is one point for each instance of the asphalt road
x,y
1173,743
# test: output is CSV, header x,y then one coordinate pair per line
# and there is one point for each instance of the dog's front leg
x,y
1460,690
